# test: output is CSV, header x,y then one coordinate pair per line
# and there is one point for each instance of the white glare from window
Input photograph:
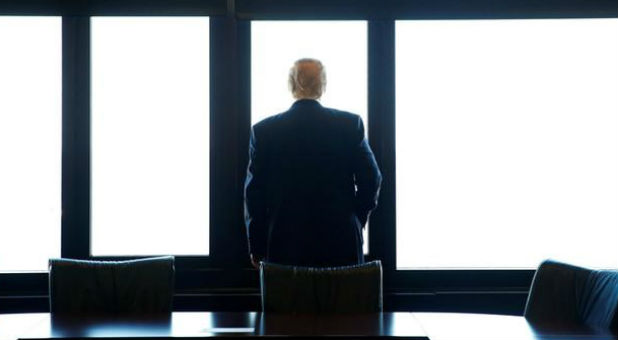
x,y
507,143
150,135
30,141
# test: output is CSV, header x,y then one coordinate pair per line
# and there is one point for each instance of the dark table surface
x,y
434,326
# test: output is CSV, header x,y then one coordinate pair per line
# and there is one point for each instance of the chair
x,y
570,295
143,286
350,289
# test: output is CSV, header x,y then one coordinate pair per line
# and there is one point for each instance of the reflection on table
x,y
434,326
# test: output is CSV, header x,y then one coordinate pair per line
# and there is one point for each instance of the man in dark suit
x,y
312,180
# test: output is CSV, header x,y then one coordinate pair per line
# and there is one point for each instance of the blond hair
x,y
307,79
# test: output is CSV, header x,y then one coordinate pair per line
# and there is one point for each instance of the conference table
x,y
191,325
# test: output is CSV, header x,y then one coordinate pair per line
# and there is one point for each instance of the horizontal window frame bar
x,y
422,281
505,303
322,9
114,7
423,10
459,280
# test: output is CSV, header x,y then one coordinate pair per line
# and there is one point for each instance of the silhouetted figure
x,y
312,180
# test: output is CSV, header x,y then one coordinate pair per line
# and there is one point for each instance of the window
x,y
30,141
275,45
507,143
150,135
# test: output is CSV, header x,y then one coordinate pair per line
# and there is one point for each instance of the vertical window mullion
x,y
381,116
230,93
75,136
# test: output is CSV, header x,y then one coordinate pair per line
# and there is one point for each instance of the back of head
x,y
307,79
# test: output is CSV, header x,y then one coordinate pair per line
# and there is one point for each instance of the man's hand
x,y
255,261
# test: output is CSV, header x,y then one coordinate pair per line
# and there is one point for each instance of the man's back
x,y
311,183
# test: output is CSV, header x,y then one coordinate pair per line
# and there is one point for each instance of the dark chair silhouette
x,y
563,294
350,289
142,286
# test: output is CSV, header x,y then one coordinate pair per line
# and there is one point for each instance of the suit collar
x,y
306,103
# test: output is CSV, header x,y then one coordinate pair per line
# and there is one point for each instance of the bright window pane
x,y
341,46
150,135
507,143
30,141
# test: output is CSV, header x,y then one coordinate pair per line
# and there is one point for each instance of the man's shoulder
x,y
344,116
339,117
268,121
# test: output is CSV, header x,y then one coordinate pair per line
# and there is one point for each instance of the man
x,y
312,180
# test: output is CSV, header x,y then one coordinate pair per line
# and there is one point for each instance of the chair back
x,y
300,290
143,286
571,295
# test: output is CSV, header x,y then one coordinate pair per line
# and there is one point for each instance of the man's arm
x,y
255,202
367,176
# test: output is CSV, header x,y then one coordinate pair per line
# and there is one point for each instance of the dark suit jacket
x,y
311,183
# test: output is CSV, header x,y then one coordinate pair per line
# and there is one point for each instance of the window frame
x,y
227,268
76,237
